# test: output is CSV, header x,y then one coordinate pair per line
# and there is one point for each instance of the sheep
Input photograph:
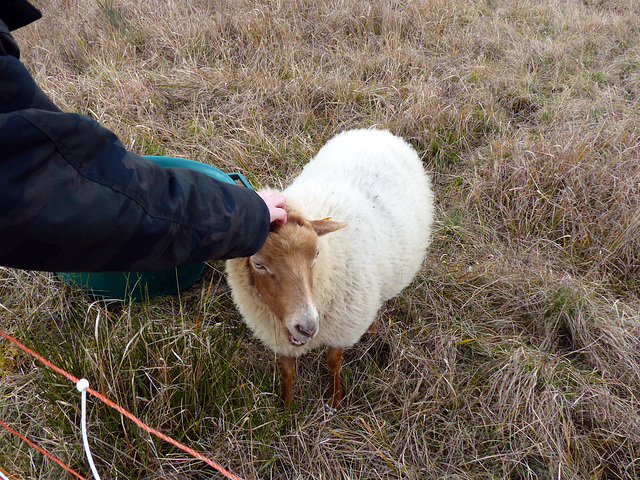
x,y
321,282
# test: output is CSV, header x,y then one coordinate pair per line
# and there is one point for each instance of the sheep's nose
x,y
306,330
303,326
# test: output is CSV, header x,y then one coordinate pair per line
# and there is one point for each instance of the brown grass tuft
x,y
514,355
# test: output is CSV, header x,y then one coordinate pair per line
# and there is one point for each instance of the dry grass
x,y
516,354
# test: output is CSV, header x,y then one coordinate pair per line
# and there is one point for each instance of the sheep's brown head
x,y
282,273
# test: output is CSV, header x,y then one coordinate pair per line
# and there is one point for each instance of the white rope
x,y
82,386
3,476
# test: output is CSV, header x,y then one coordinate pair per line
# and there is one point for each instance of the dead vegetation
x,y
515,355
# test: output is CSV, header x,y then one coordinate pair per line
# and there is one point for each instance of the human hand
x,y
276,204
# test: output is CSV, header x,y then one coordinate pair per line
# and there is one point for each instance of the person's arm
x,y
72,198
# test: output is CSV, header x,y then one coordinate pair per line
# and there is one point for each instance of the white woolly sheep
x,y
308,287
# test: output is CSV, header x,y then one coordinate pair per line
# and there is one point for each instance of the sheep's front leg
x,y
334,361
287,371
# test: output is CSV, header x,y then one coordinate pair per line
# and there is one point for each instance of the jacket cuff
x,y
18,13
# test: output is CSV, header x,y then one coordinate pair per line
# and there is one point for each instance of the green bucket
x,y
138,286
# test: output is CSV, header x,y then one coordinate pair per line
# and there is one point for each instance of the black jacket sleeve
x,y
72,198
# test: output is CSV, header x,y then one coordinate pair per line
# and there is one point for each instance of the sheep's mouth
x,y
295,342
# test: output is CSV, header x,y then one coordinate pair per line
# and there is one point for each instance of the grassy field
x,y
515,354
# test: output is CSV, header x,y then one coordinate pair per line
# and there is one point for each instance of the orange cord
x,y
8,474
51,457
124,412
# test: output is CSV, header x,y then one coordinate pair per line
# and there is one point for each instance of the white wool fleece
x,y
376,183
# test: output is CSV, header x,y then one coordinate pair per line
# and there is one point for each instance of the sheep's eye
x,y
259,266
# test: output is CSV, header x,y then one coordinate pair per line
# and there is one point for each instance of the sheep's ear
x,y
324,226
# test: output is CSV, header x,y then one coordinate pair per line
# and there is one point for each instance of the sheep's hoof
x,y
286,403
329,410
335,400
